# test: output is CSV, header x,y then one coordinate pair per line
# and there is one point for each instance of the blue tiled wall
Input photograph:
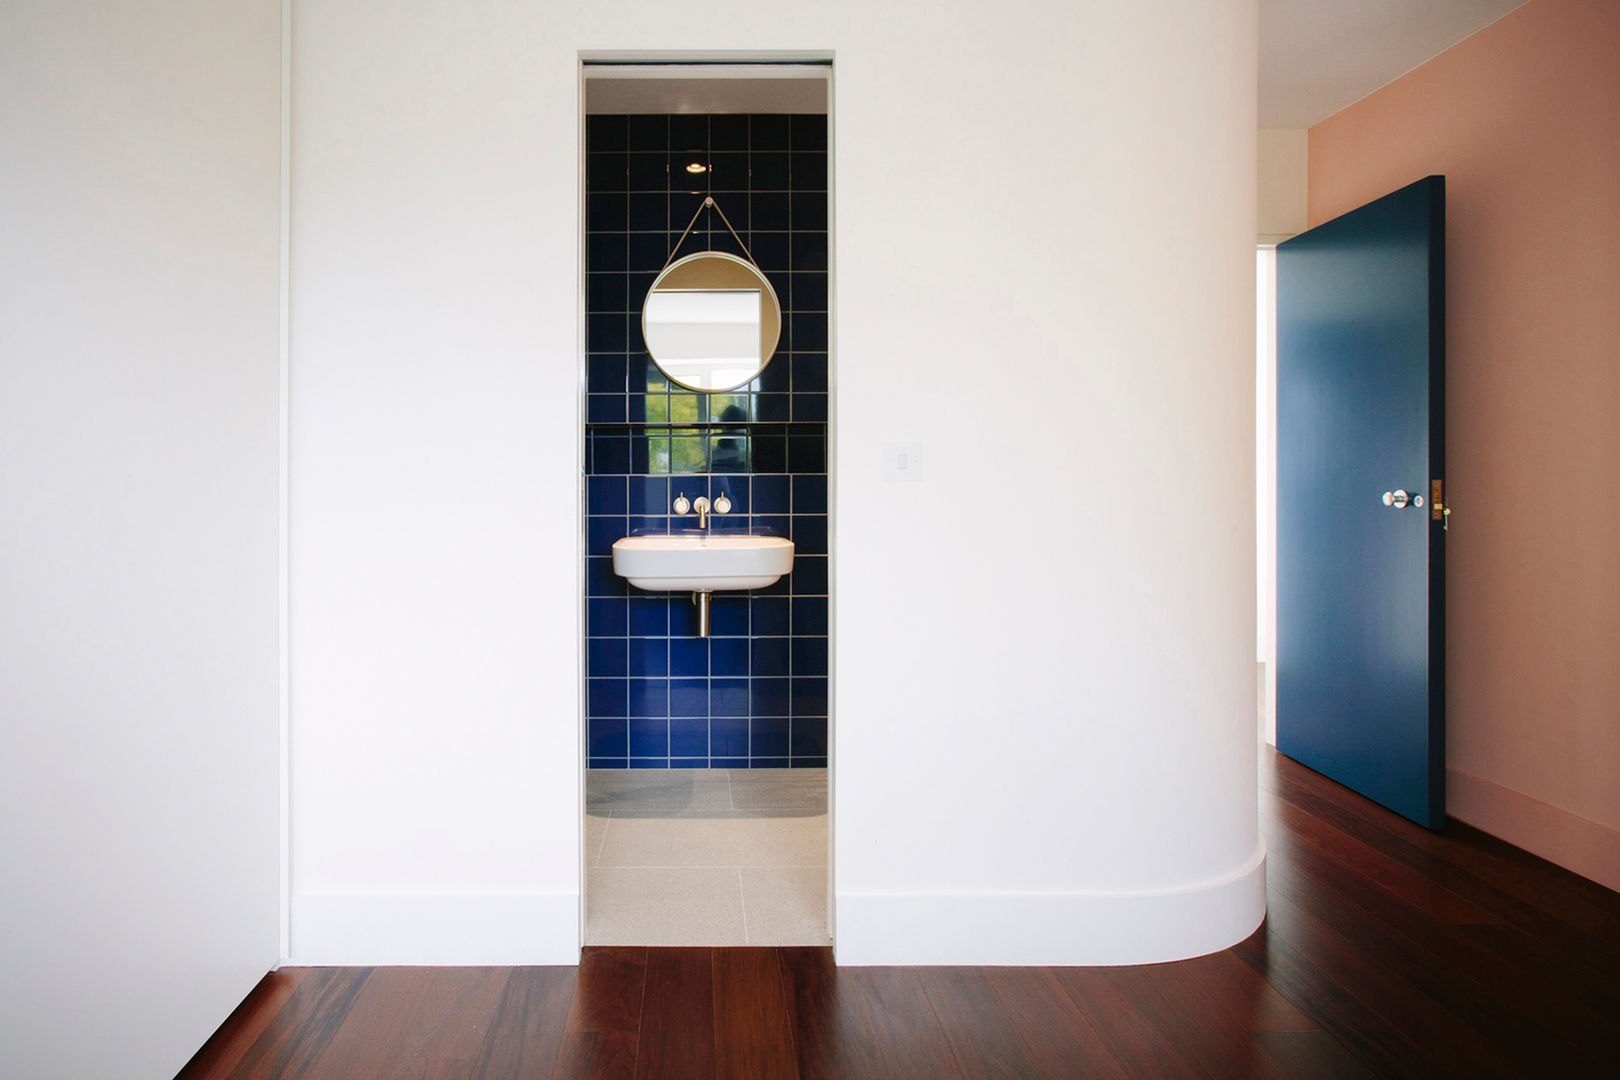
x,y
753,694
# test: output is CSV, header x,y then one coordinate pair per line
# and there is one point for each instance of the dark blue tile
x,y
649,495
649,172
688,657
605,171
809,373
606,699
602,532
604,132
771,212
729,173
600,580
689,737
607,616
610,454
773,524
649,763
649,656
809,209
689,697
609,763
807,453
809,763
768,131
729,454
728,763
648,212
810,696
769,737
689,131
809,577
810,494
648,251
605,495
607,212
728,737
647,525
649,615
728,616
810,174
607,251
728,697
728,656
771,617
808,131
809,331
769,763
649,698
768,170
608,738
770,656
809,252
682,617
648,739
810,615
606,656
810,407
772,249
809,291
606,373
735,488
775,406
605,332
780,587
647,133
693,762
810,534
809,656
728,132
606,292
768,697
605,408
771,494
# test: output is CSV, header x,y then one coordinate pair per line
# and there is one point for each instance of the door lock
x,y
1398,499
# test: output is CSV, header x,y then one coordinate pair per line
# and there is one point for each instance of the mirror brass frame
x,y
725,271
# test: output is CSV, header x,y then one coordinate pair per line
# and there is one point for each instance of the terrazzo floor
x,y
706,857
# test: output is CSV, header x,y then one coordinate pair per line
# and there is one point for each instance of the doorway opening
x,y
706,728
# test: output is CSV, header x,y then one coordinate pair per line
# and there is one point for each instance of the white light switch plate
x,y
902,463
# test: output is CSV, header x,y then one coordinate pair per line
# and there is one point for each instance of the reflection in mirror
x,y
711,321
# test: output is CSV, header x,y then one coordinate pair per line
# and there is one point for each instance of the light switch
x,y
902,463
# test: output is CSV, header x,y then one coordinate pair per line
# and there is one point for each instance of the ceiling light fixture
x,y
697,167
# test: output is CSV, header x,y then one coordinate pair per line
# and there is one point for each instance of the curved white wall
x,y
1061,616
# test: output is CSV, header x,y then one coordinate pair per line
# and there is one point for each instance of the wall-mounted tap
x,y
701,505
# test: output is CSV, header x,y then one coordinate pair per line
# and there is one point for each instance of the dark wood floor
x,y
1387,951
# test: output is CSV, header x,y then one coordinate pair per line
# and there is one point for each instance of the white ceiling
x,y
1318,56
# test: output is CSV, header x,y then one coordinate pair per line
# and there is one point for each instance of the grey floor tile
x,y
657,789
688,906
595,829
715,839
785,905
779,789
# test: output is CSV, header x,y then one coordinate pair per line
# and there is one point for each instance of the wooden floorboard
x,y
1388,951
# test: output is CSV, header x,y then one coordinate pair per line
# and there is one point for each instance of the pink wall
x,y
1523,119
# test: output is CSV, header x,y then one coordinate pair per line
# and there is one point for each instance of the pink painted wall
x,y
1523,119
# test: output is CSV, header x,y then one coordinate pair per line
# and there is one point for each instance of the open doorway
x,y
706,726
1265,490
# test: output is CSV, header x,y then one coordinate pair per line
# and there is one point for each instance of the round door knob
x,y
1397,498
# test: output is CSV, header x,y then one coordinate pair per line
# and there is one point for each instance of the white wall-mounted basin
x,y
702,562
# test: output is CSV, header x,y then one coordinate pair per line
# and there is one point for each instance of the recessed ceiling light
x,y
697,167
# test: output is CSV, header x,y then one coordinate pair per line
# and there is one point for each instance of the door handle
x,y
1400,499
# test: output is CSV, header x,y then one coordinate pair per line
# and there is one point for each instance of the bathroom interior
x,y
706,473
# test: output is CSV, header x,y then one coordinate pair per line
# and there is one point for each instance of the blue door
x,y
1360,536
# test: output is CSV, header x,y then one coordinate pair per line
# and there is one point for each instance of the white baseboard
x,y
1023,929
1587,847
452,930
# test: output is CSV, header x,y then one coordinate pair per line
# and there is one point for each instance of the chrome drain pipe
x,y
701,599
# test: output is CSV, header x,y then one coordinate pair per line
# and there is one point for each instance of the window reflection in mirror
x,y
707,339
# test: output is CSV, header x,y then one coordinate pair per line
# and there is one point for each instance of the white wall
x,y
139,426
1044,225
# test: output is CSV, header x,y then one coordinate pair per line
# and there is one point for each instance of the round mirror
x,y
711,321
